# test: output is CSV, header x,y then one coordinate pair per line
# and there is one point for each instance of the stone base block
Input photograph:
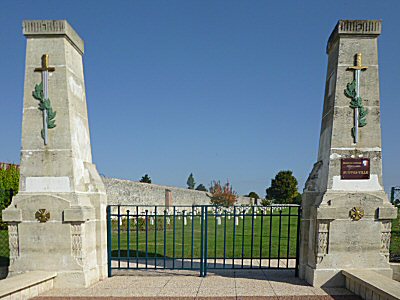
x,y
76,279
396,271
333,277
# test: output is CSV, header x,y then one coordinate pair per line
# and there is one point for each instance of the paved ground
x,y
238,284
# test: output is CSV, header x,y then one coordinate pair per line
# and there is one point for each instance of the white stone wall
x,y
127,192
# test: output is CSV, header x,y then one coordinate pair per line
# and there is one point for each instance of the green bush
x,y
9,183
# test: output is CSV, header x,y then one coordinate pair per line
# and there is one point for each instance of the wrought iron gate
x,y
203,237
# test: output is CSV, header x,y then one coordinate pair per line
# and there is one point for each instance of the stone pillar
x,y
168,198
346,221
57,220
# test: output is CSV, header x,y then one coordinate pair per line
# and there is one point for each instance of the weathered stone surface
x,y
58,177
12,215
53,28
366,283
330,239
79,214
13,287
127,192
396,271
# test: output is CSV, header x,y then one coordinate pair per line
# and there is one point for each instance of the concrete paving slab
x,y
256,297
128,281
207,292
220,285
290,289
191,291
176,283
244,282
255,291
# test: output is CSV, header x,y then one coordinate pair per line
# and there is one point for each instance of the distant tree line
x,y
283,190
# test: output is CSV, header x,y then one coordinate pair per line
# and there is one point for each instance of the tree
x,y
202,188
222,194
265,202
190,182
9,184
145,179
297,199
283,188
253,195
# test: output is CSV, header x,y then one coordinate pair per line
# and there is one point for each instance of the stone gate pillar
x,y
57,221
346,220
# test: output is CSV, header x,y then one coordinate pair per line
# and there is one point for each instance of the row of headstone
x,y
196,211
218,214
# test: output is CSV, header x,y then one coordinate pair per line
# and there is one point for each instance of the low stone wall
x,y
396,271
127,192
27,285
371,285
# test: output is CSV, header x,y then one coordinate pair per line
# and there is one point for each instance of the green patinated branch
x,y
45,104
356,102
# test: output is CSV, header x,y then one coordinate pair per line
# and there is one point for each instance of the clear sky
x,y
224,89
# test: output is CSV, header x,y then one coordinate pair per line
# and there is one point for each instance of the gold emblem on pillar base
x,y
42,215
356,213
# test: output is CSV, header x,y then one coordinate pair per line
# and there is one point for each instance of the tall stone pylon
x,y
346,221
57,221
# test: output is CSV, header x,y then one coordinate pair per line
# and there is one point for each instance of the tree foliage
x,y
190,182
145,179
253,195
266,202
202,188
283,188
222,194
9,184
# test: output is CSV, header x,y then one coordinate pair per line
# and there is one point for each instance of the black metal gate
x,y
203,237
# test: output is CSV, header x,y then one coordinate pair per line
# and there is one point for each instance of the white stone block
x,y
47,184
360,185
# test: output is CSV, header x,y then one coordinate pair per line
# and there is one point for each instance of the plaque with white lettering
x,y
354,168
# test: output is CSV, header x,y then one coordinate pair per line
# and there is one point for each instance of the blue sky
x,y
224,89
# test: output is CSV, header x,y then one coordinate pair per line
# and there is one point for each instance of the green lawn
x,y
395,240
266,241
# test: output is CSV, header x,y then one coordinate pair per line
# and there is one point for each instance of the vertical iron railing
x,y
203,237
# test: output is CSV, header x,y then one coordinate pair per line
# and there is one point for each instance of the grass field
x,y
264,237
395,240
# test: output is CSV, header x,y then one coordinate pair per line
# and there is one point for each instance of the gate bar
x,y
298,241
109,240
201,242
128,231
155,237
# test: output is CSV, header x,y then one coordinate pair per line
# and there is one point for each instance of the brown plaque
x,y
354,168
